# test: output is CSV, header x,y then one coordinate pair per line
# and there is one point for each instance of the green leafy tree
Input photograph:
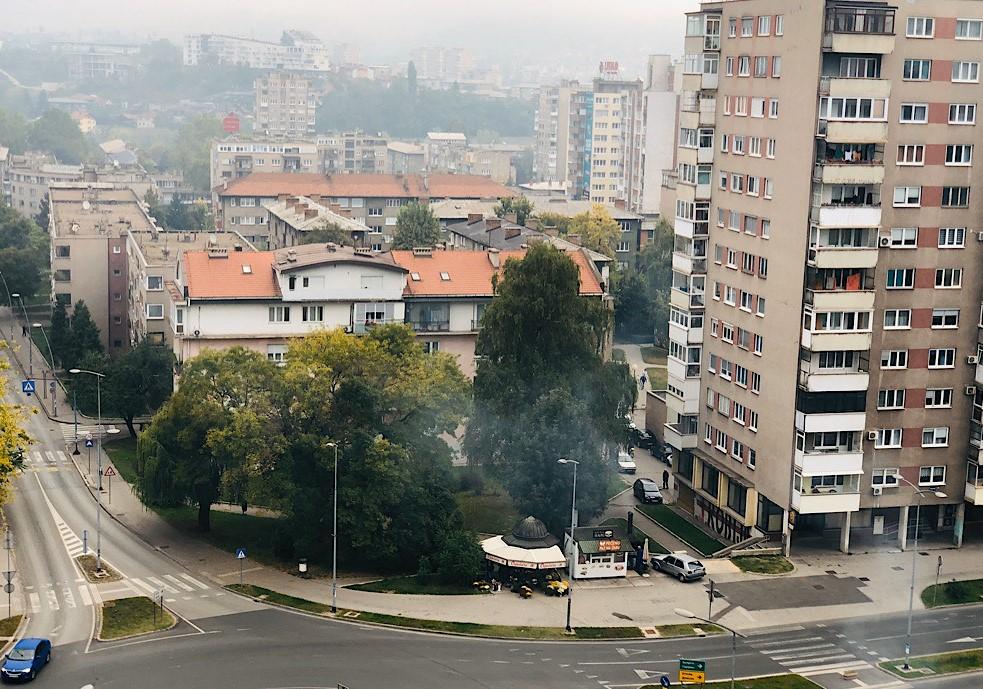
x,y
177,215
550,220
520,205
139,382
56,133
85,338
543,390
199,217
60,330
84,388
327,232
597,229
654,265
13,131
43,209
23,253
192,149
157,211
416,226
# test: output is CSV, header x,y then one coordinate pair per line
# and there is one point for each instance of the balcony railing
x,y
430,326
866,20
360,327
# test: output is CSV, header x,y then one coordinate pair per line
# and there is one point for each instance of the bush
x,y
458,560
472,480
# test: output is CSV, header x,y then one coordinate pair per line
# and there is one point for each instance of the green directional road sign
x,y
693,665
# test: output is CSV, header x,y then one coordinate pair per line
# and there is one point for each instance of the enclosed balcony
x,y
822,412
688,291
974,483
836,330
859,164
684,327
834,371
859,29
682,435
683,395
689,255
846,247
830,452
840,288
826,493
847,205
429,318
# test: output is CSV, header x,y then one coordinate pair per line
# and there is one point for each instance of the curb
x,y
681,540
934,675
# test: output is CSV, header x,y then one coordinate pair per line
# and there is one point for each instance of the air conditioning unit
x,y
871,435
979,236
972,360
970,390
878,490
884,240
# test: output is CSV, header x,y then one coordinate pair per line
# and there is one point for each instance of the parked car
x,y
647,441
26,659
683,567
647,490
626,463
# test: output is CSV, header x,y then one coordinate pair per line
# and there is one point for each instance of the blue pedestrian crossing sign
x,y
240,553
88,442
28,386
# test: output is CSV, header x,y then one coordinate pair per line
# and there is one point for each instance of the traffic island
x,y
128,617
8,626
87,563
774,682
970,660
497,631
953,593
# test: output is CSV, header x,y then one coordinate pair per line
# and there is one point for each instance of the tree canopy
x,y
416,226
24,253
139,381
57,133
327,232
14,441
597,229
520,205
641,292
543,391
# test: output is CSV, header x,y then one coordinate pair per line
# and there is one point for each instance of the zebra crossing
x,y
37,460
84,431
809,652
53,597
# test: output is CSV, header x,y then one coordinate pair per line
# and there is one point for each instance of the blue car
x,y
26,659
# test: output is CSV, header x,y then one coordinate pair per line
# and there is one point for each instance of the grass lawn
x,y
618,354
87,563
680,527
687,629
763,564
777,682
637,535
230,530
653,355
954,593
939,664
9,625
658,377
123,452
488,513
280,598
129,616
413,584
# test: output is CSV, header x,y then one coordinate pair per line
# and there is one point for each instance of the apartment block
x,y
291,218
237,157
99,60
286,105
354,152
297,50
661,107
562,119
825,307
403,158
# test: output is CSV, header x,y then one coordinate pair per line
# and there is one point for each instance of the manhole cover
x,y
818,587
864,578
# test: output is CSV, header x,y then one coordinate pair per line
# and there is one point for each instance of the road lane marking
x,y
161,585
177,582
52,599
821,659
835,667
784,642
50,457
203,587
145,587
85,596
35,603
817,650
69,597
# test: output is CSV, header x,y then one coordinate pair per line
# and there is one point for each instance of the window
x,y
764,25
965,71
117,249
740,376
776,66
888,438
760,66
737,452
911,154
744,66
279,314
431,346
948,278
737,183
747,27
770,148
938,398
726,367
942,358
313,314
959,154
727,333
754,146
860,68
890,399
769,192
292,282
757,107
917,70
753,189
63,251
63,275
952,237
945,318
907,197
920,27
155,283
962,113
894,358
746,298
155,312
914,113
760,307
779,24
738,145
758,345
969,29
897,319
730,296
904,237
900,278
955,197
773,108
756,383
931,476
888,478
838,360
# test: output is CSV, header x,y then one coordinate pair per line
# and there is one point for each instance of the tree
x,y
416,226
327,232
597,229
23,253
60,330
85,336
520,205
654,266
157,211
632,303
177,215
192,149
57,133
139,382
548,220
543,391
199,216
43,209
14,441
13,131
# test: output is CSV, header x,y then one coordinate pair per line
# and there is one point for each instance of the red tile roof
x,y
272,184
210,277
471,272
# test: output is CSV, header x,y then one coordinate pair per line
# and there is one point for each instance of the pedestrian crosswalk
x,y
38,460
84,431
809,652
53,597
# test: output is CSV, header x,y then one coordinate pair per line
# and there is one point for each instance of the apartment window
x,y
914,113
952,237
760,66
938,398
920,27
747,27
773,108
723,405
155,283
756,383
959,154
757,107
900,278
313,314
63,251
965,71
945,318
758,344
737,183
746,298
759,307
710,484
292,282
738,145
117,249
730,296
884,477
911,154
948,278
904,237
727,333
897,319
623,247
732,27
431,346
779,24
63,275
744,65
838,108
890,399
375,212
888,438
962,113
917,70
770,148
969,29
279,314
753,188
769,192
764,25
860,68
894,358
942,358
931,476
155,312
955,197
776,66
740,376
726,369
754,146
837,360
740,106
907,197
737,452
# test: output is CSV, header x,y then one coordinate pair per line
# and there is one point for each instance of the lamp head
x,y
939,494
36,325
74,371
16,295
683,612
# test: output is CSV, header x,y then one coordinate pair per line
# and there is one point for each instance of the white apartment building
x,y
297,50
286,106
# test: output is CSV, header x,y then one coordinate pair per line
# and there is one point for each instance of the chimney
x,y
512,232
282,198
475,217
494,258
512,216
620,203
551,232
316,198
291,201
422,252
493,224
218,252
310,213
574,239
532,223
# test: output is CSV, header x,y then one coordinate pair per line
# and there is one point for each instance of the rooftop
x,y
446,136
230,275
405,147
95,209
166,247
304,213
272,184
496,233
306,255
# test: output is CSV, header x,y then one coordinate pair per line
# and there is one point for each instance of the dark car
x,y
647,490
646,441
26,659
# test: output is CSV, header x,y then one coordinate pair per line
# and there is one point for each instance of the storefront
x,y
601,552
529,546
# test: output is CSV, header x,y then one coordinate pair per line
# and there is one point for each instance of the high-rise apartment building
x,y
297,50
286,105
826,296
562,117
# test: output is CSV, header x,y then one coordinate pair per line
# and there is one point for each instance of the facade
x,y
445,151
167,185
661,109
441,67
28,177
834,430
354,152
286,105
98,60
297,50
563,115
237,157
405,158
291,217
617,140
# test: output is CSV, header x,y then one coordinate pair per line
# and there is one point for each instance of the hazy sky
x,y
566,31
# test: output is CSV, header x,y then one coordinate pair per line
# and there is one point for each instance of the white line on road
x,y
817,650
786,642
161,585
52,599
84,595
177,582
145,587
203,587
35,603
821,659
69,597
836,667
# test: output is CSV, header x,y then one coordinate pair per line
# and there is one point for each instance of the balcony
x,y
838,171
708,82
708,111
974,484
847,87
826,422
847,131
430,326
688,402
704,155
979,374
835,341
688,265
682,298
676,438
685,336
815,381
849,216
818,499
841,300
360,327
681,370
859,30
843,256
824,463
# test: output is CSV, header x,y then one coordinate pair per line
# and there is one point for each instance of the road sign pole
x,y
938,571
85,541
8,545
240,571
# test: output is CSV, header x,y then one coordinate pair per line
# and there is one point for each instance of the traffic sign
x,y
692,671
240,553
664,681
109,472
88,442
8,588
696,665
8,575
28,386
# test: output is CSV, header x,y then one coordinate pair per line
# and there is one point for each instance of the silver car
x,y
683,567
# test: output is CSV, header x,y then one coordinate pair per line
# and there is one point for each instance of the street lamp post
x,y
51,365
99,377
30,345
920,492
10,304
334,533
573,521
733,639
